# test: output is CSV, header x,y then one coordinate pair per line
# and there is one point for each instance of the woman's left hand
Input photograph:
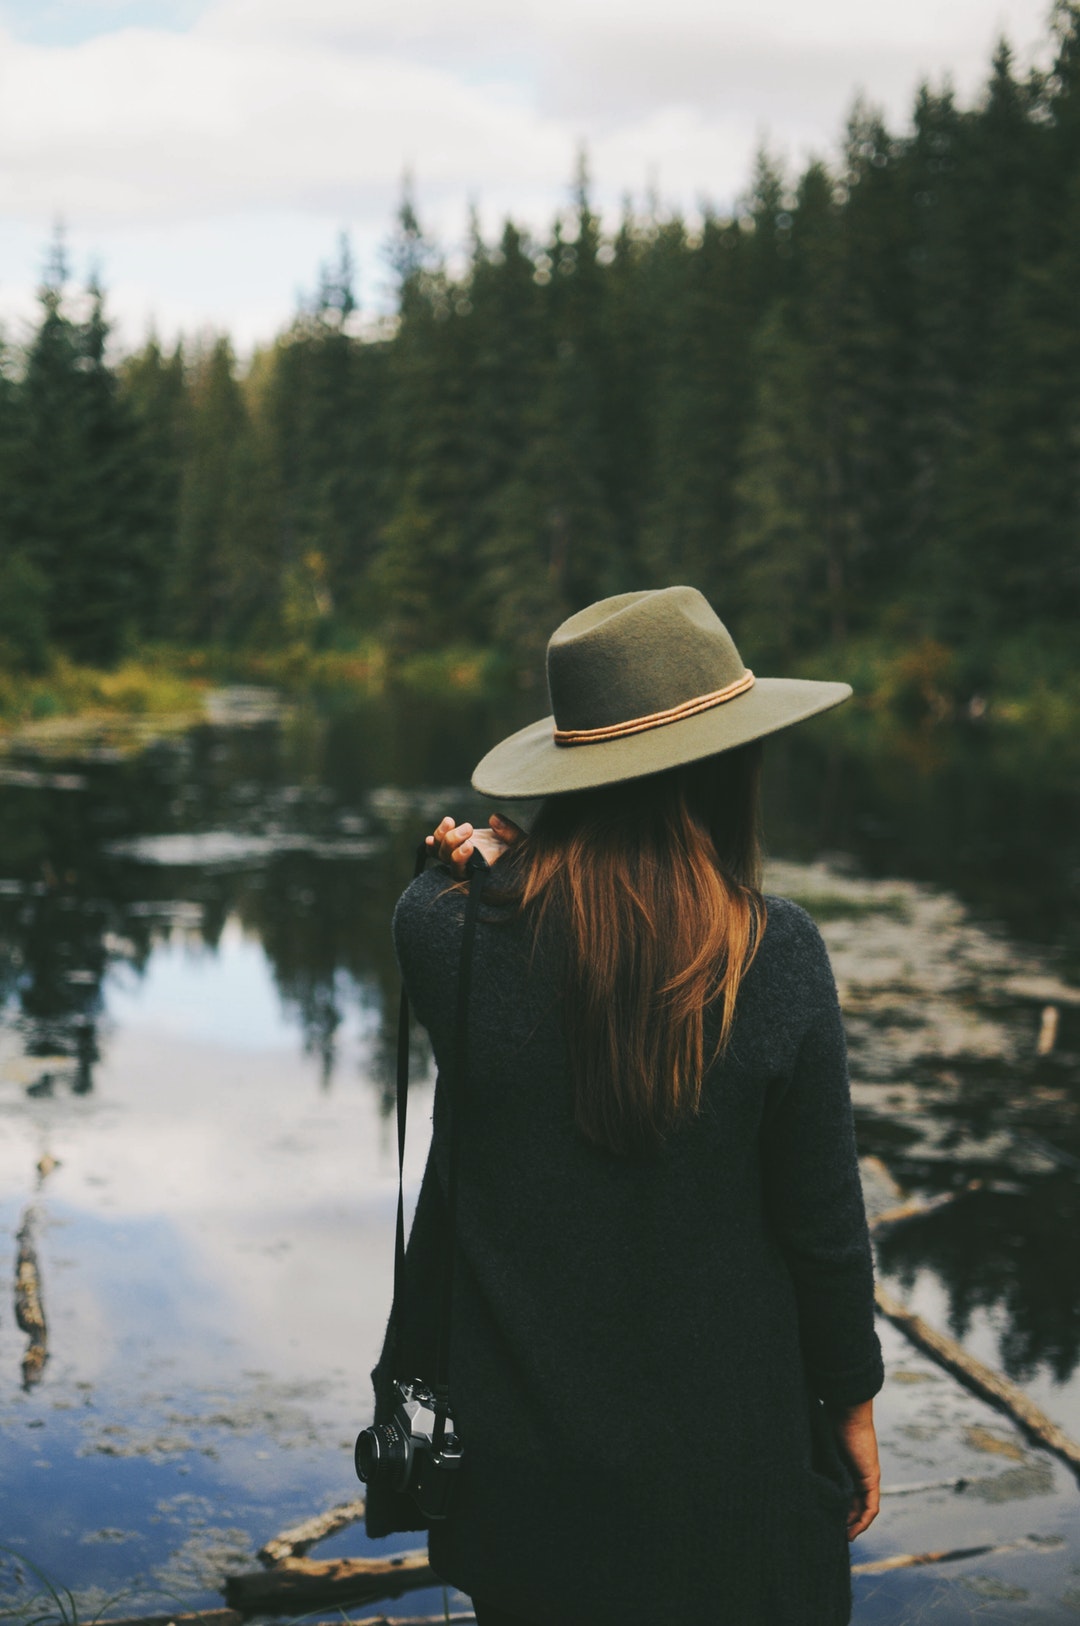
x,y
857,1439
456,843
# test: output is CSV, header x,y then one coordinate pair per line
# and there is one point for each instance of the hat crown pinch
x,y
636,655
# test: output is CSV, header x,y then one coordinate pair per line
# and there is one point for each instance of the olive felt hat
x,y
639,683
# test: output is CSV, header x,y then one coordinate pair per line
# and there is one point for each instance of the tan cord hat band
x,y
655,719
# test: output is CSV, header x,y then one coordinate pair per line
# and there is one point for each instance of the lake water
x,y
196,1152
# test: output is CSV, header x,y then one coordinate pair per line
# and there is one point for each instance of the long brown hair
x,y
652,890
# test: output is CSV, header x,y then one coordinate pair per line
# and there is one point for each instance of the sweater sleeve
x,y
814,1201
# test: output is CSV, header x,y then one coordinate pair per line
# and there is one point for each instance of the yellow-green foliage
x,y
918,681
1040,684
369,670
457,670
135,689
907,694
912,687
298,666
169,685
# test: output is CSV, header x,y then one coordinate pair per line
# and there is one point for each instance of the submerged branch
x,y
294,1543
233,1617
298,1585
29,1311
460,1617
981,1379
196,1617
916,1207
950,1555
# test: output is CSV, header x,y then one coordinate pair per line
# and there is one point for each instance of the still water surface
x,y
196,979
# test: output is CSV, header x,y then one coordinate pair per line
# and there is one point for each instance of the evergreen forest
x,y
848,411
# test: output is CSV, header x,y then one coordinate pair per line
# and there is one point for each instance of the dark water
x,y
196,976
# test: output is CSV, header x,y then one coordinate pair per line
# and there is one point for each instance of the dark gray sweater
x,y
641,1346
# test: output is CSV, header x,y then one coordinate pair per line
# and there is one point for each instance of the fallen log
x,y
920,1487
232,1617
916,1207
295,1542
951,1555
900,1561
198,1617
457,1619
29,1311
298,1585
980,1379
1048,1030
460,1618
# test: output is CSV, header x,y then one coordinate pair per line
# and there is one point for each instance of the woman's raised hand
x,y
455,843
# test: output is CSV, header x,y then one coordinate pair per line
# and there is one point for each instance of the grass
x,y
370,669
56,1605
135,689
1031,681
165,687
52,1604
913,689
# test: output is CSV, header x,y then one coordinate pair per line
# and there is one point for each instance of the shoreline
x,y
903,693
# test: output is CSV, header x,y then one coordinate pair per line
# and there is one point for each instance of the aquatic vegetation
x,y
43,1601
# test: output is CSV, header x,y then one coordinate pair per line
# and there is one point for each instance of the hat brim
x,y
529,763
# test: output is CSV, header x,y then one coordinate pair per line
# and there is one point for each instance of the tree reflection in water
x,y
1010,1252
303,832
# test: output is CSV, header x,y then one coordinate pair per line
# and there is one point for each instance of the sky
x,y
203,156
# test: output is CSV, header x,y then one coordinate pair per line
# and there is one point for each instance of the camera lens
x,y
382,1454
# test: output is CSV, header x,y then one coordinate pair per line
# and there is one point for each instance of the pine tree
x,y
421,577
781,550
154,394
23,590
575,445
698,297
873,320
202,585
72,508
320,408
516,582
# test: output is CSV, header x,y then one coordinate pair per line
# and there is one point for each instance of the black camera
x,y
402,1454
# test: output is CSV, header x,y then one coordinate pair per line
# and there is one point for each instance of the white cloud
x,y
148,126
259,106
477,27
265,111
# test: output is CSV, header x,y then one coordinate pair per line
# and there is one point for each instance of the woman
x,y
663,1353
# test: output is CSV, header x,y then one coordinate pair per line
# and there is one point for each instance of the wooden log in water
x,y
295,1542
916,1207
298,1585
1048,1030
980,1379
457,1618
921,1486
29,1310
233,1617
901,1561
951,1555
198,1617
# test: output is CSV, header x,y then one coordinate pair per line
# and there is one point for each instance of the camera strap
x,y
440,1386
